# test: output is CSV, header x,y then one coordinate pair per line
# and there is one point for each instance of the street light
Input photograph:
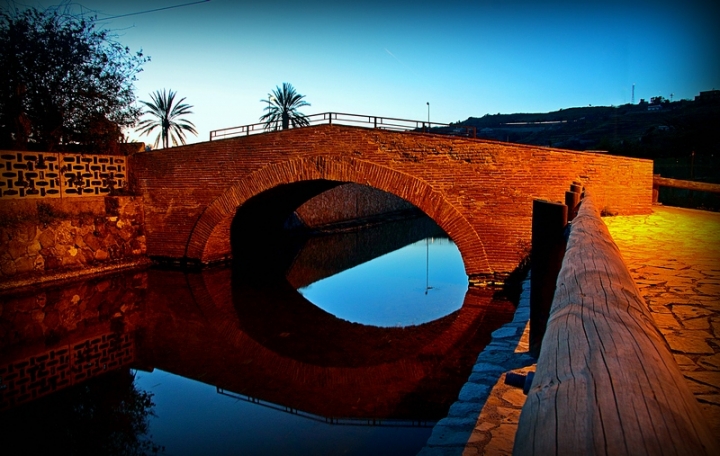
x,y
270,99
428,105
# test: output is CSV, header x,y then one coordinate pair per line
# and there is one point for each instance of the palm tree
x,y
282,105
166,115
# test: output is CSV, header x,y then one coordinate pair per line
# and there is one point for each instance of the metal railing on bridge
x,y
386,422
358,120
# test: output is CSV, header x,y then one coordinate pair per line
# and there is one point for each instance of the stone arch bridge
x,y
480,192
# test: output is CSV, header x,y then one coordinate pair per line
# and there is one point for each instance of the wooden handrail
x,y
659,181
606,382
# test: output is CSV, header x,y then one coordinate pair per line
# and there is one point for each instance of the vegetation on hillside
x,y
683,137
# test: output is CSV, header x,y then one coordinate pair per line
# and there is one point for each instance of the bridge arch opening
x,y
268,197
261,231
386,265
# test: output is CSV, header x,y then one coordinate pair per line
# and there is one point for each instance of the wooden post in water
x,y
549,220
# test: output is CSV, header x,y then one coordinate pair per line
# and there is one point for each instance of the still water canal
x,y
360,348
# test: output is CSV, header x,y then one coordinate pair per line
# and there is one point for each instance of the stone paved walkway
x,y
674,257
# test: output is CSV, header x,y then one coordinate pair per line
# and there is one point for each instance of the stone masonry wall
x,y
347,202
40,239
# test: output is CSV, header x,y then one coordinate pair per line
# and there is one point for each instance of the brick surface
x,y
480,192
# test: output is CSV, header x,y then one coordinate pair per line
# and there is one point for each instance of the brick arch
x,y
211,233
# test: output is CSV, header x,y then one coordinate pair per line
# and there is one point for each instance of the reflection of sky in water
x,y
391,290
194,419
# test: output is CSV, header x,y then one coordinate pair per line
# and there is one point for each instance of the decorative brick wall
x,y
26,175
480,192
55,336
43,373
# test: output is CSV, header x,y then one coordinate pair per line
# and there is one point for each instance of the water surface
x,y
363,360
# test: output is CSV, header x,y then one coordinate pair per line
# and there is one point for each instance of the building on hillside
x,y
708,96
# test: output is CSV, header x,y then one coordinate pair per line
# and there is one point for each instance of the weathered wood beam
x,y
606,382
659,181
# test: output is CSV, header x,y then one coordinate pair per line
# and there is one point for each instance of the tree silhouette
x,y
166,114
282,109
63,82
105,415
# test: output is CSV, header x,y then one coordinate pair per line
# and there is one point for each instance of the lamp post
x,y
428,105
269,101
692,165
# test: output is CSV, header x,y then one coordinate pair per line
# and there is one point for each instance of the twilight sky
x,y
390,57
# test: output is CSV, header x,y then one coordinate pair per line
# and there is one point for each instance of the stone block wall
x,y
348,202
43,238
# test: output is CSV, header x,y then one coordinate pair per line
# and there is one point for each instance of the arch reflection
x,y
259,339
275,347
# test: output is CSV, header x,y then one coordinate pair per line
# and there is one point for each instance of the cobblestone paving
x,y
494,432
674,257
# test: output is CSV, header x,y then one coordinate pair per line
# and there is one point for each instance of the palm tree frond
x,y
282,109
165,113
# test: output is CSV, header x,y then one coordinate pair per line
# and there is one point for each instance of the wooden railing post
x,y
549,220
656,189
572,200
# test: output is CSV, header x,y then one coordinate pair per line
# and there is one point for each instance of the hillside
x,y
667,132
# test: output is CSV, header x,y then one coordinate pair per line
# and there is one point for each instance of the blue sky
x,y
389,58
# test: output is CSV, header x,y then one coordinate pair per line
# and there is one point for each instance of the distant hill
x,y
667,132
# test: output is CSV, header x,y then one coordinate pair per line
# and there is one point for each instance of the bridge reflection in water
x,y
260,341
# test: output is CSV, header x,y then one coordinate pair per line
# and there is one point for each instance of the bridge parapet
x,y
355,120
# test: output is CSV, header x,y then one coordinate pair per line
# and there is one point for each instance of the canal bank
x,y
43,240
484,418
